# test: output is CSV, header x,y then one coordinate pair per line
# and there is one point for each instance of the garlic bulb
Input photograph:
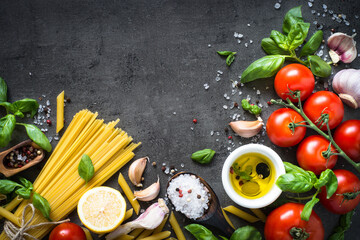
x,y
247,129
347,84
342,47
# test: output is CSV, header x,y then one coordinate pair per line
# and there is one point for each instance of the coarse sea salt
x,y
188,195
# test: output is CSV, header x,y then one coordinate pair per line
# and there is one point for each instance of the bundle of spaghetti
x,y
108,147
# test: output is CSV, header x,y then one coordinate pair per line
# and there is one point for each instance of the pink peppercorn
x,y
195,120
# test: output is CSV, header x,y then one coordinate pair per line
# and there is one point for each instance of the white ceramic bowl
x,y
273,193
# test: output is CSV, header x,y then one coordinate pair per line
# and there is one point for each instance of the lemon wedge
x,y
102,209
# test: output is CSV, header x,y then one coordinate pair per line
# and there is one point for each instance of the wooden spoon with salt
x,y
9,171
213,215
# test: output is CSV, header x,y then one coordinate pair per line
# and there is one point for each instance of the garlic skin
x,y
247,129
150,219
149,193
347,84
136,171
342,48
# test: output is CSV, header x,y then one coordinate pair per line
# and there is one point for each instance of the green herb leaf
x,y
252,108
291,168
224,238
37,136
23,106
3,90
200,232
263,68
246,233
280,39
203,156
270,47
292,17
26,190
86,168
7,125
306,212
344,225
312,44
230,59
26,183
318,66
8,186
297,35
42,205
242,174
225,53
327,178
295,182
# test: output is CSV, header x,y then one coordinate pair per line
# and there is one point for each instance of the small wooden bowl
x,y
8,171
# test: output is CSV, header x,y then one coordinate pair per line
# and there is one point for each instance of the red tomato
x,y
309,154
286,217
295,77
67,231
325,102
347,137
278,131
347,183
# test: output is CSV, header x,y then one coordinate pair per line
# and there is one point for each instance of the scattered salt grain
x,y
251,41
217,79
277,5
209,45
174,113
246,44
206,86
258,92
220,72
56,138
225,107
248,25
212,133
310,4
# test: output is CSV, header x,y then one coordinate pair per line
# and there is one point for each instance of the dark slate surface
x,y
144,61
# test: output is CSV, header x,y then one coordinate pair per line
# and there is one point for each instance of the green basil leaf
x,y
312,177
42,205
246,233
25,105
313,44
329,180
252,108
318,66
37,136
200,232
7,125
270,47
3,90
297,35
292,17
344,225
203,156
294,182
86,168
280,39
6,105
263,68
8,186
291,168
242,174
230,59
26,183
225,53
24,192
306,212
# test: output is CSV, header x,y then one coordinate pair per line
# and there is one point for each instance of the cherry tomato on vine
x,y
310,154
295,77
347,137
343,200
285,223
324,102
278,131
67,231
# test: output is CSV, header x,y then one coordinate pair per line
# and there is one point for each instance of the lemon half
x,y
102,209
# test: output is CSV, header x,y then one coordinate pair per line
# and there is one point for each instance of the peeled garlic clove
x,y
247,129
347,84
149,193
136,171
343,48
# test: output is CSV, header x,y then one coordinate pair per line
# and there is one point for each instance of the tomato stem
x,y
299,233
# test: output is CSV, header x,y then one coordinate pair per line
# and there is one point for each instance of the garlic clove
x,y
136,171
348,100
343,48
247,129
149,193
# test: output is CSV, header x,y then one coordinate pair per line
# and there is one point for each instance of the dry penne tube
x,y
227,218
9,216
162,224
145,233
175,226
259,214
13,204
60,111
136,232
128,214
129,194
158,236
241,214
87,234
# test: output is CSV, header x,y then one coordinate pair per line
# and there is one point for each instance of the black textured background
x,y
144,61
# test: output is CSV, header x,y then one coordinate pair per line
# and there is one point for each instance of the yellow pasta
x,y
13,204
60,111
162,224
175,226
128,214
241,214
136,232
129,194
145,233
10,216
109,148
87,234
259,214
158,236
227,218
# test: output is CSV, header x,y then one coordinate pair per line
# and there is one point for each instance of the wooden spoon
x,y
213,215
9,171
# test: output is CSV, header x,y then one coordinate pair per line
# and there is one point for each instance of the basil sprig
x,y
298,180
203,156
344,225
281,46
86,168
42,205
230,56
